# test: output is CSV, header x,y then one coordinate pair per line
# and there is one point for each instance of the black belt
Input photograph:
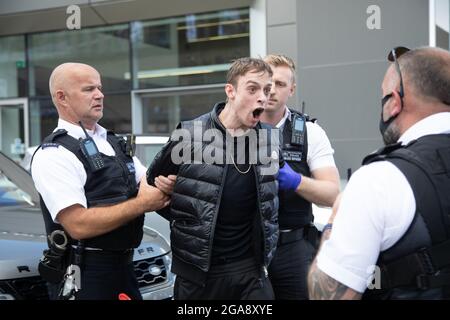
x,y
122,257
231,268
292,235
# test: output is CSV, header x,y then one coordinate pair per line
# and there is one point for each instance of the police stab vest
x,y
113,184
418,265
295,211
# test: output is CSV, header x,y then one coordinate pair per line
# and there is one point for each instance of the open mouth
x,y
257,112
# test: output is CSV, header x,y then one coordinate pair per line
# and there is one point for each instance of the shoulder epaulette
x,y
381,153
51,138
304,115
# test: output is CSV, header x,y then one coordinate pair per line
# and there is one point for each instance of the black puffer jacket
x,y
196,201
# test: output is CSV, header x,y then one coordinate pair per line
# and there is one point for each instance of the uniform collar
x,y
434,124
76,131
287,114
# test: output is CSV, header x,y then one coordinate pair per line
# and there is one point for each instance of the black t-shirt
x,y
233,236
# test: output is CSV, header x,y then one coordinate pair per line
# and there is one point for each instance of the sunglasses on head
x,y
393,56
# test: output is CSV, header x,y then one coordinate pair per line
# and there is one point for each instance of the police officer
x,y
394,212
309,176
88,179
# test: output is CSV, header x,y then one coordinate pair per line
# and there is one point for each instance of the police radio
x,y
90,151
293,151
298,130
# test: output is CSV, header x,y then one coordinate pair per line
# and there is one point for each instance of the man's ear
x,y
60,97
292,90
396,104
230,91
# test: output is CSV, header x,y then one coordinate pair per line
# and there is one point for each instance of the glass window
x,y
44,117
104,48
12,131
147,147
182,51
442,19
117,113
162,113
13,70
189,50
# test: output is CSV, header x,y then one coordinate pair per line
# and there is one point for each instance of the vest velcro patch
x,y
130,166
49,145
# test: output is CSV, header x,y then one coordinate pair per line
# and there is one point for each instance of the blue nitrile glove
x,y
288,179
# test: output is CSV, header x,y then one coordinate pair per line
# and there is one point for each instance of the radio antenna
x,y
84,130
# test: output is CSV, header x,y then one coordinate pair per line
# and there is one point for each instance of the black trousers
x,y
105,276
239,280
288,270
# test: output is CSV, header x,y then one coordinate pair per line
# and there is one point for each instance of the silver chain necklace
x,y
241,172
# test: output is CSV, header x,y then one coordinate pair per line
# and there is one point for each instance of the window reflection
x,y
161,114
190,50
105,48
183,51
12,67
44,117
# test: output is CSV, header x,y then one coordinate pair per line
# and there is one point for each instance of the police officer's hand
x,y
166,184
288,179
152,198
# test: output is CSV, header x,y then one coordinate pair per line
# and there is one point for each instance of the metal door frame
x,y
26,126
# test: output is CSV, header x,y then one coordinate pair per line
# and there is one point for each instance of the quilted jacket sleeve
x,y
163,165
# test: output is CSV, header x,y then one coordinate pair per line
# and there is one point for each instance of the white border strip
x,y
258,29
432,22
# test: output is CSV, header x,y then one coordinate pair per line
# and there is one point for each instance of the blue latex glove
x,y
288,179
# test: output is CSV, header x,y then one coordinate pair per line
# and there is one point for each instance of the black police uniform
x,y
417,266
106,260
296,244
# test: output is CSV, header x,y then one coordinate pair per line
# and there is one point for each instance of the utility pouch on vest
x,y
71,282
55,260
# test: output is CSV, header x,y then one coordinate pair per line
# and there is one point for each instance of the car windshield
x,y
20,215
11,194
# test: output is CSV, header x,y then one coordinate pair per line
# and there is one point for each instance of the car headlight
x,y
168,261
5,296
149,232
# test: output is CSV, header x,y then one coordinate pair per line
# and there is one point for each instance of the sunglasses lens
x,y
398,51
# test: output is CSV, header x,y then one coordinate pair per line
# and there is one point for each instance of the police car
x,y
22,240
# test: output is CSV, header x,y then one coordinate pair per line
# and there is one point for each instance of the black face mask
x,y
384,125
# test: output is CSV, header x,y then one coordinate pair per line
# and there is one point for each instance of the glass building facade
x,y
142,61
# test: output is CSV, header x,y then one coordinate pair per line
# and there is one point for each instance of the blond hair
x,y
279,60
